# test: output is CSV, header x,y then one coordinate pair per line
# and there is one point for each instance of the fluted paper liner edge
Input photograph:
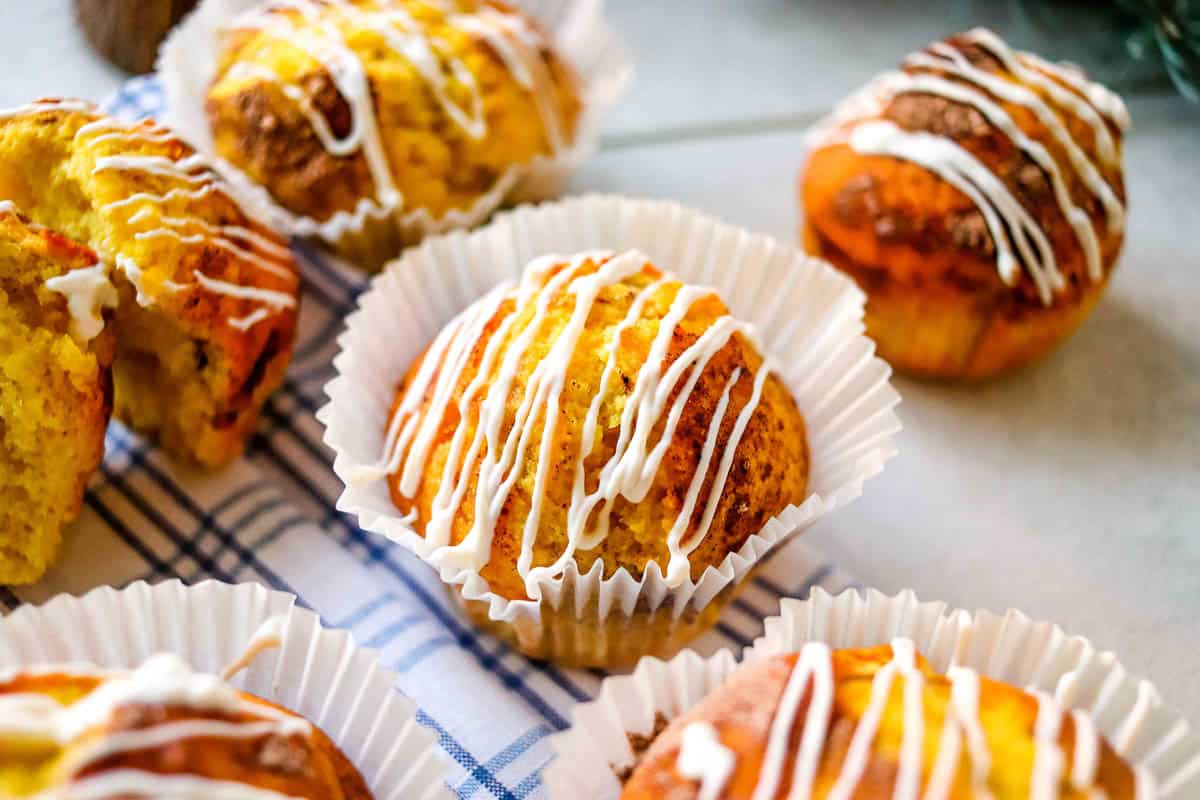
x,y
809,316
318,672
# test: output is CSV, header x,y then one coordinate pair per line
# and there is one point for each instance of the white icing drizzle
x,y
269,636
127,782
813,666
1063,97
964,698
702,757
40,106
194,178
628,473
1001,210
812,677
1048,760
163,680
1018,238
312,26
88,292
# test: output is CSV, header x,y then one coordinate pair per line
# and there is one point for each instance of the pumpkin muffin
x,y
977,196
597,416
56,350
878,723
161,730
355,115
207,305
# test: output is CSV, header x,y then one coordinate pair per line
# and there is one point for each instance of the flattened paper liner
x,y
810,321
578,30
317,672
599,748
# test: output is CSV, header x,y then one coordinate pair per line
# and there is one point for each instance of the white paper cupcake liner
x,y
808,315
316,672
599,748
578,29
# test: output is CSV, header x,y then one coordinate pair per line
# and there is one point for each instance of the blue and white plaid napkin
x,y
271,518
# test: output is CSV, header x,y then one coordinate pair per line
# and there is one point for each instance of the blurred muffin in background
x,y
977,196
373,121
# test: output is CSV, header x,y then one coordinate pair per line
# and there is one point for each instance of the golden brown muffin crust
x,y
297,765
922,248
744,707
435,164
768,471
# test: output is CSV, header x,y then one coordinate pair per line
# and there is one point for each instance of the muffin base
x,y
945,333
614,641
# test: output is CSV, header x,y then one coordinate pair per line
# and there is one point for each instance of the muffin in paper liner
x,y
809,318
578,30
608,735
316,672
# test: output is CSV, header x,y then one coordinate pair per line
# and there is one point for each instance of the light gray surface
x,y
1069,490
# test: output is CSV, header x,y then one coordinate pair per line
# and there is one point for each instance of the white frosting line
x,y
813,666
1001,211
88,292
269,636
1048,760
998,117
270,297
702,757
1062,97
1018,237
494,460
812,677
121,783
313,27
163,680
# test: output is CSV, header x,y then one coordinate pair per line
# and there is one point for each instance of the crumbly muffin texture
x,y
55,397
610,414
208,296
452,95
866,734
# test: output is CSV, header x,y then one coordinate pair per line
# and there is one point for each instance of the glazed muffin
x,y
597,416
55,388
355,114
159,731
977,196
878,723
207,296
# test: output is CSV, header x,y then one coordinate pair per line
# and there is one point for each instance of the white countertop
x,y
1071,490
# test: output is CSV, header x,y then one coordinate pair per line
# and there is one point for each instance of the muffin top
x,y
161,730
597,411
976,165
159,218
352,108
879,723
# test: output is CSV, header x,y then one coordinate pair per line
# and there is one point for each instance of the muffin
x,y
207,296
977,196
362,117
878,722
161,730
56,354
597,417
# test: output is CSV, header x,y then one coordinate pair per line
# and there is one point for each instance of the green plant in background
x,y
1129,43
